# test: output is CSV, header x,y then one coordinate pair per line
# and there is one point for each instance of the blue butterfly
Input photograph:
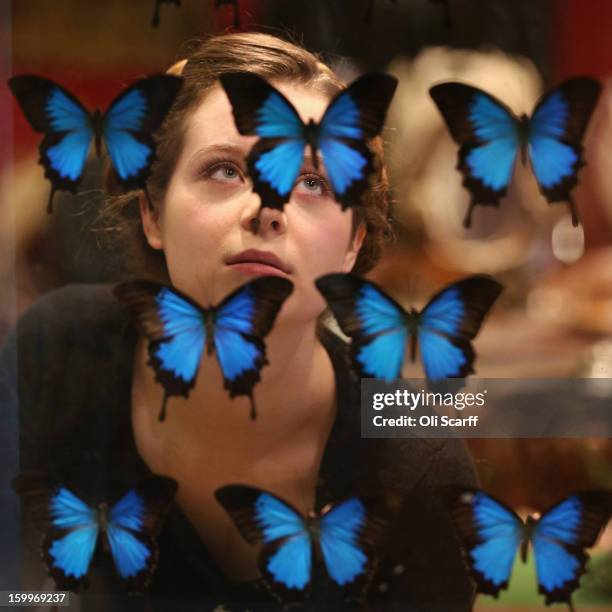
x,y
345,536
380,327
179,330
354,116
490,137
127,128
491,534
155,21
72,527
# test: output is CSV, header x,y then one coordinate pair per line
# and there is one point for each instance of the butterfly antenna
x,y
253,409
162,412
572,206
50,202
571,605
467,222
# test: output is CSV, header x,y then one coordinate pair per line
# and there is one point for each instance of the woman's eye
x,y
223,172
312,185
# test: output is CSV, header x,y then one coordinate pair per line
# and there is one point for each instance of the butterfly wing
x,y
560,538
286,558
449,322
555,136
175,327
375,322
65,123
490,534
354,116
275,160
134,523
351,532
130,122
487,135
242,320
69,527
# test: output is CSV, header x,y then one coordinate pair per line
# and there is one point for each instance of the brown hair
x,y
268,57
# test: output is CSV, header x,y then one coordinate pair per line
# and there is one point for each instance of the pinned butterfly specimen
x,y
491,534
234,3
343,537
353,116
71,528
126,127
179,330
158,3
380,328
490,137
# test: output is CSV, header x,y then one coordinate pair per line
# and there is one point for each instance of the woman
x,y
89,402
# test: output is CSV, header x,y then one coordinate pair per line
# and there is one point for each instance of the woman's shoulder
x,y
75,313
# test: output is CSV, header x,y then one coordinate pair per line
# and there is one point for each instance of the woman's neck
x,y
296,394
209,440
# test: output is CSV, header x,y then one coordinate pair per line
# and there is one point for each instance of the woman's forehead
x,y
212,122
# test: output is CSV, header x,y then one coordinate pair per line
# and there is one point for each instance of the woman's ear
x,y
356,242
150,223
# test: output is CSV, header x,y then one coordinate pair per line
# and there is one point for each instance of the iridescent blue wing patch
x,y
133,525
352,119
71,528
490,535
286,558
376,323
449,322
276,159
175,327
350,535
130,122
345,537
556,131
241,322
66,125
354,116
560,538
69,128
487,133
179,329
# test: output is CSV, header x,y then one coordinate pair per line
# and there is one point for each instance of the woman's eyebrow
x,y
219,149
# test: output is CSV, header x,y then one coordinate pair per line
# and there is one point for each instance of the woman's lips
x,y
253,261
252,267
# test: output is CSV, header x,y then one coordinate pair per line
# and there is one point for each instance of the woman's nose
x,y
267,221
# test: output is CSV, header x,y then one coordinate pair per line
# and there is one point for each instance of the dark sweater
x,y
74,352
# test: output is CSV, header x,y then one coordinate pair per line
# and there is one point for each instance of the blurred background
x,y
555,316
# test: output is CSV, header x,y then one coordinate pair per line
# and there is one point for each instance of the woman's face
x,y
208,224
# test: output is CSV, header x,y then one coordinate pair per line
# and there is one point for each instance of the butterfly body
x,y
126,128
491,534
73,530
353,116
490,135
